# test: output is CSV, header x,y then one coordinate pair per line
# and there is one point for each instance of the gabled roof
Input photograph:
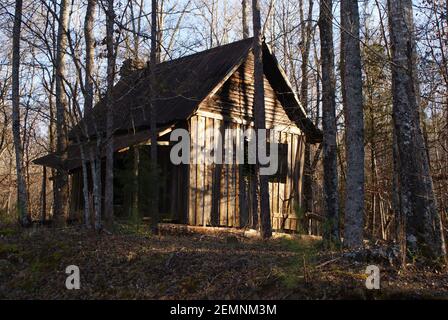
x,y
180,86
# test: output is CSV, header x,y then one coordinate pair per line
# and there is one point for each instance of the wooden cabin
x,y
209,89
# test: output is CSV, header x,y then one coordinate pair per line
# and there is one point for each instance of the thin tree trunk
x,y
260,119
307,182
244,19
111,57
244,181
331,197
155,58
52,136
95,167
136,29
424,232
10,191
155,41
43,209
354,123
90,54
85,186
61,179
374,184
88,102
22,195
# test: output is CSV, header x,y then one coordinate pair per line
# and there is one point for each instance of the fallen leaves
x,y
193,266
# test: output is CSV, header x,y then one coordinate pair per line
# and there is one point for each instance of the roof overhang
x,y
73,154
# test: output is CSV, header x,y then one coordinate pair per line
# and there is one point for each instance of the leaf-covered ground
x,y
131,264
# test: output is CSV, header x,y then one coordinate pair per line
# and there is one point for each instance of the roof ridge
x,y
204,52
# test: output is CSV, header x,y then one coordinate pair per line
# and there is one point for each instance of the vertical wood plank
x,y
223,210
293,173
243,191
281,184
287,194
235,180
237,222
193,169
274,201
230,178
217,172
200,171
208,169
301,166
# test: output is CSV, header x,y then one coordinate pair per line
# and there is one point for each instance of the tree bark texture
x,y
260,119
351,75
424,236
330,187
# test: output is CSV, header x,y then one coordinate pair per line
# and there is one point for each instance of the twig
x,y
305,273
327,262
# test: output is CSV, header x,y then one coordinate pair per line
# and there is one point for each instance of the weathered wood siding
x,y
216,196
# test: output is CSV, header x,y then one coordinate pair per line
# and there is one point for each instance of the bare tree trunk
x,y
136,29
111,57
155,37
424,232
10,189
90,53
22,195
155,58
354,123
307,182
260,119
244,181
83,138
52,136
95,168
43,209
331,197
61,179
244,19
88,103
85,186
